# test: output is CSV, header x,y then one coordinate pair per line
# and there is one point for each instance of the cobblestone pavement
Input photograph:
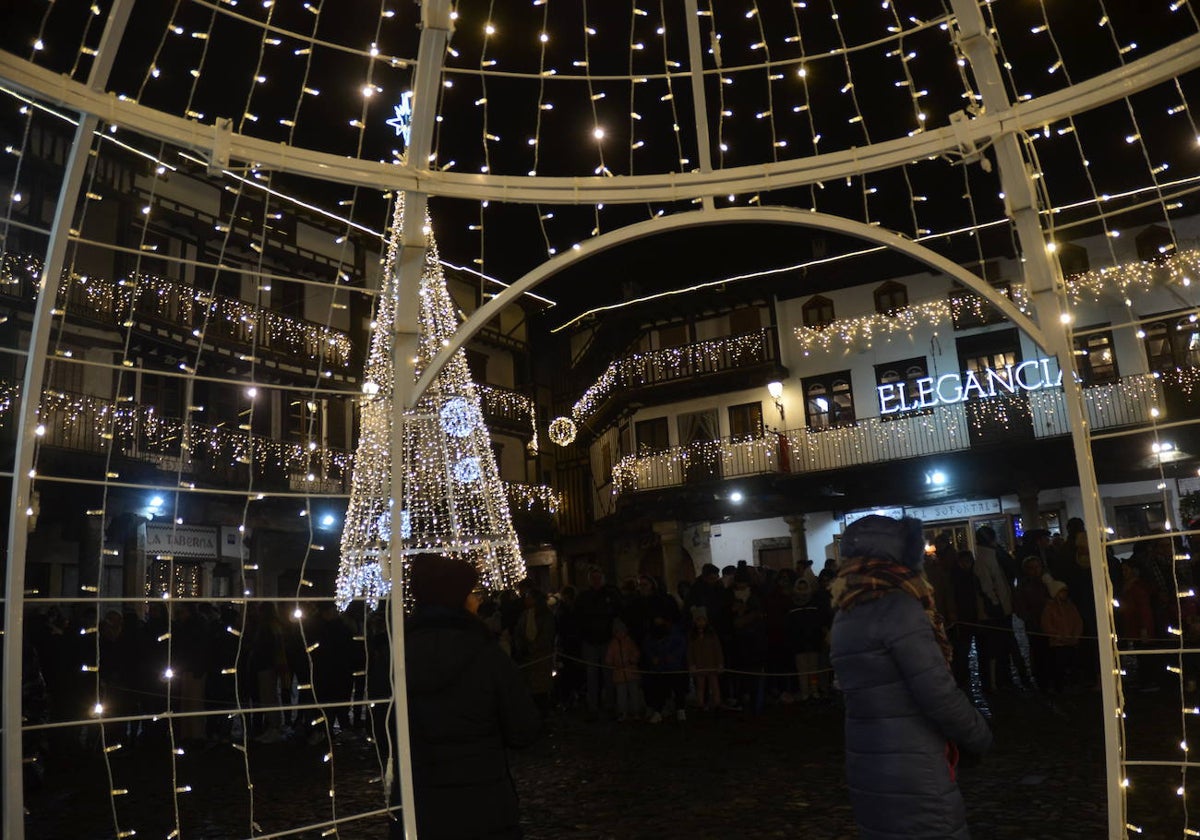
x,y
724,776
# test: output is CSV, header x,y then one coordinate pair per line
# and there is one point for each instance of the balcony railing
x,y
161,302
212,455
507,406
674,364
703,461
944,428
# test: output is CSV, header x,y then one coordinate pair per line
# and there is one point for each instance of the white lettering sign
x,y
894,513
954,510
181,541
951,388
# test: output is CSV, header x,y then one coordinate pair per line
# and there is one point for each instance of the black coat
x,y
467,704
902,706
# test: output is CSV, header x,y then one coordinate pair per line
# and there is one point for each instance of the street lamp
x,y
775,389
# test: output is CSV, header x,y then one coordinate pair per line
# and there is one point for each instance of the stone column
x,y
799,538
672,552
1027,495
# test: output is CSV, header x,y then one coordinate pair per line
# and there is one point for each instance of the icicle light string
x,y
805,106
16,196
682,161
680,73
542,106
1137,135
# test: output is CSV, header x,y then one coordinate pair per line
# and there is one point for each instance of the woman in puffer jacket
x,y
906,719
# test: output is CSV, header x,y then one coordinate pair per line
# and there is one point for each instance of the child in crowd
x,y
1062,622
705,660
806,633
622,657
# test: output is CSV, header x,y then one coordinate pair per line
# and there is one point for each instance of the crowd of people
x,y
288,671
735,638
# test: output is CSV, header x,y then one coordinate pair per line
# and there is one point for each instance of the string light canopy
x,y
454,502
559,123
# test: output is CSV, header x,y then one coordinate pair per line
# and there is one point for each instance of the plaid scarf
x,y
866,579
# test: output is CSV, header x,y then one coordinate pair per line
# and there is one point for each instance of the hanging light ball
x,y
562,431
459,416
466,470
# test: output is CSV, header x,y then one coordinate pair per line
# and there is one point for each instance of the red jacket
x,y
1062,622
1137,614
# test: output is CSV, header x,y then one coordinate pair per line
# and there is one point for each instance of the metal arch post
x,y
730,215
1044,280
410,265
31,390
699,101
1174,60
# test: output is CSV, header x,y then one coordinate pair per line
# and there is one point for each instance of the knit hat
x,y
437,581
1055,586
883,538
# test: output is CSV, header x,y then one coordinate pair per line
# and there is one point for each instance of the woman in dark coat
x,y
467,704
905,717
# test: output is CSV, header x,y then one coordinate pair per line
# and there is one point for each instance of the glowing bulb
x,y
598,133
489,30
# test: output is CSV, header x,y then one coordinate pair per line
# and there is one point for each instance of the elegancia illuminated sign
x,y
958,387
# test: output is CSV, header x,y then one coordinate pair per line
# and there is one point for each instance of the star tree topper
x,y
402,122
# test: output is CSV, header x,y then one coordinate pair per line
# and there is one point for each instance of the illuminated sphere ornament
x,y
460,417
562,431
466,470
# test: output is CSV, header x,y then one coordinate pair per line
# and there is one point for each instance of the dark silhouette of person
x,y
467,704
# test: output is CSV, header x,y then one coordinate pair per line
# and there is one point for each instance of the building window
x,y
304,420
998,361
904,375
1172,343
1154,243
968,309
891,296
746,420
288,298
477,364
164,393
818,312
64,374
1072,259
747,319
1139,520
1095,358
652,436
675,335
828,400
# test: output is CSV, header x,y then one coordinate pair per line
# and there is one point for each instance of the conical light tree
x,y
453,502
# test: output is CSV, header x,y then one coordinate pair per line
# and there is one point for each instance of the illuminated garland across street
x,y
187,306
654,366
454,502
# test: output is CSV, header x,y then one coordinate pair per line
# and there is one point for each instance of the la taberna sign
x,y
950,388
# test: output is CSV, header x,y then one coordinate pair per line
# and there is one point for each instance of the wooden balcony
x,y
671,374
160,308
213,455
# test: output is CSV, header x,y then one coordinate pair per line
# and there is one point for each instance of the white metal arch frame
x,y
730,215
1001,123
220,144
